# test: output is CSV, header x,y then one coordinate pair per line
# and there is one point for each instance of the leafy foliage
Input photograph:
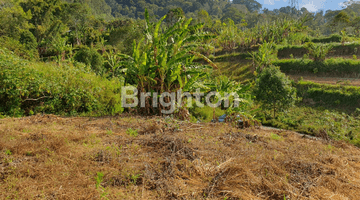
x,y
318,51
264,56
28,88
91,58
274,89
228,35
18,48
132,132
316,121
164,62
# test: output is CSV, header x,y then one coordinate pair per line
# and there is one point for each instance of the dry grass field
x,y
127,157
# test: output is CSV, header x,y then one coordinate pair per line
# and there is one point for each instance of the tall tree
x,y
13,19
46,15
251,5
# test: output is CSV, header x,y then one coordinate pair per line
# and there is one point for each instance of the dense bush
x,y
122,37
24,50
28,88
28,39
318,52
332,66
274,90
91,58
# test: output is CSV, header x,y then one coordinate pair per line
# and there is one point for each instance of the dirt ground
x,y
328,80
125,157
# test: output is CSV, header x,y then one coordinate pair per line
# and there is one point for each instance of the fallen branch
x,y
38,98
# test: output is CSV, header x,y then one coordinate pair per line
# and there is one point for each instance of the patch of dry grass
x,y
50,157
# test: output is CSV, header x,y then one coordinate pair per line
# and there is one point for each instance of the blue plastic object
x,y
222,118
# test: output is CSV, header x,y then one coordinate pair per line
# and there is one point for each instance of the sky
x,y
311,5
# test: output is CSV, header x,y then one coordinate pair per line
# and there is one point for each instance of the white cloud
x,y
313,6
347,3
341,5
310,7
269,2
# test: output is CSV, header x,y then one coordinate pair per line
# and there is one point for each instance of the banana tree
x,y
163,60
112,59
264,57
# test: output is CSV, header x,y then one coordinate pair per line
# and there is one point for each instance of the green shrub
x,y
25,50
264,56
273,89
91,58
318,51
28,39
122,37
205,113
32,87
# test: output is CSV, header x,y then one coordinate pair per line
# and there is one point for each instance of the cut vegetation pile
x,y
138,158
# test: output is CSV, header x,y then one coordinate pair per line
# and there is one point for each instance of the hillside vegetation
x,y
29,88
75,60
68,130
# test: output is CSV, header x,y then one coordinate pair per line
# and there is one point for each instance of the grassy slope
x,y
298,118
53,157
235,65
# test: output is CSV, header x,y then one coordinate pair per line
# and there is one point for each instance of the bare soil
x,y
328,80
50,157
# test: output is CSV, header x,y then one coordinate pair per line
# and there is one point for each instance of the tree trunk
x,y
274,108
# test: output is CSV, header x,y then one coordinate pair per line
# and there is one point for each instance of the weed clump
x,y
132,132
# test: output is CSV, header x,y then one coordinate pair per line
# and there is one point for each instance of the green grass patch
x,y
232,57
241,70
314,121
276,137
206,113
132,132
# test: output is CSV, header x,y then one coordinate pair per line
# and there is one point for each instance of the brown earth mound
x,y
49,157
